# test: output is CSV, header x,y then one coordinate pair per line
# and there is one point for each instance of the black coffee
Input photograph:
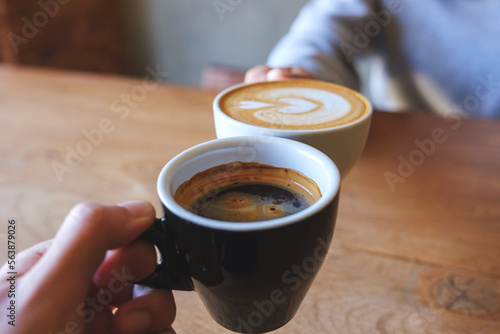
x,y
247,192
251,202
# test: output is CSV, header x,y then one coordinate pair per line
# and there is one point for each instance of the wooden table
x,y
417,242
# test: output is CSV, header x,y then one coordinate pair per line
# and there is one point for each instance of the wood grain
x,y
418,257
445,212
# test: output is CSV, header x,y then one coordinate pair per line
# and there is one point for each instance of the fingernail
x,y
276,74
138,209
136,322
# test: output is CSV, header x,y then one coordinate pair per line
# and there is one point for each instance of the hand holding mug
x,y
265,73
72,283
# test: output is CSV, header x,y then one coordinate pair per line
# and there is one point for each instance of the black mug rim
x,y
303,151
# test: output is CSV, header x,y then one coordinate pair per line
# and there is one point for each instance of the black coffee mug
x,y
252,276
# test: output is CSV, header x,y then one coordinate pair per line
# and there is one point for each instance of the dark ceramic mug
x,y
251,277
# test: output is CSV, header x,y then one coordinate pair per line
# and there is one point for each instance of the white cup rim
x,y
165,186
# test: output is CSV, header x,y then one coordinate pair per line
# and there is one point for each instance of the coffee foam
x,y
294,104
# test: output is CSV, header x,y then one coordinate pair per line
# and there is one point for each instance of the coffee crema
x,y
247,192
294,104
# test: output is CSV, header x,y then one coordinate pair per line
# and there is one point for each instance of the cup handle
x,y
172,271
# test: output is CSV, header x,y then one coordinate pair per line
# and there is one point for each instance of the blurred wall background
x,y
183,37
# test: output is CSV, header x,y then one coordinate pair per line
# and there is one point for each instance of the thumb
x,y
80,246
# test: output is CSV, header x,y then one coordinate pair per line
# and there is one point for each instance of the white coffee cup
x,y
335,129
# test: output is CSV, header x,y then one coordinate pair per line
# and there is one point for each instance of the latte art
x,y
294,105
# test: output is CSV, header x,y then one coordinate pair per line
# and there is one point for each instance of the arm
x,y
323,41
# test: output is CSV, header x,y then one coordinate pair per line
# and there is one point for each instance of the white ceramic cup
x,y
343,144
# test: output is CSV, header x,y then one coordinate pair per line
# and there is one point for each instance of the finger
x,y
80,245
299,72
152,311
293,72
138,258
124,266
277,74
28,258
257,74
98,315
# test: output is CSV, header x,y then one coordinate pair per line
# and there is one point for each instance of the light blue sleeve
x,y
325,39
